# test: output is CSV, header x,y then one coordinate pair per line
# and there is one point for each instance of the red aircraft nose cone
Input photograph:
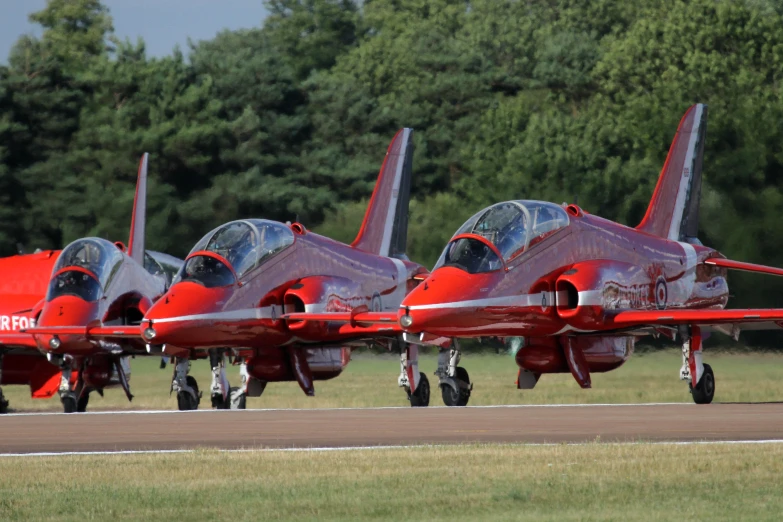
x,y
66,311
178,316
448,299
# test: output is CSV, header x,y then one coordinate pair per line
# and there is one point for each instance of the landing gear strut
x,y
249,387
700,377
186,387
415,383
455,385
3,400
220,392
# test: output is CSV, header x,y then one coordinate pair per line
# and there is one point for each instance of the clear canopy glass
x,y
512,227
247,243
101,258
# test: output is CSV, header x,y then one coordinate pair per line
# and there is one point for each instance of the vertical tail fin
x,y
385,227
674,209
138,227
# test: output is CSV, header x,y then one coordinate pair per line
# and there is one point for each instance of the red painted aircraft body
x,y
574,291
22,290
242,278
96,287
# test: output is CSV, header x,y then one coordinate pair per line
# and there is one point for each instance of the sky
x,y
161,23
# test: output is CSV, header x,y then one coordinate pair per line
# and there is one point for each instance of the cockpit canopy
x,y
245,244
94,262
512,227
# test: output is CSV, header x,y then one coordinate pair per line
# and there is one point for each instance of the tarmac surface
x,y
341,428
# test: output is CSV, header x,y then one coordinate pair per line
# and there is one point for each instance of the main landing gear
x,y
185,386
220,391
82,376
250,387
3,403
454,381
415,383
700,377
3,400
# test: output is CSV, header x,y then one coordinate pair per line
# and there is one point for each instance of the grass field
x,y
487,482
370,380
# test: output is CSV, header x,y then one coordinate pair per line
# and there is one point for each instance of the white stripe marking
x,y
398,295
586,298
394,196
679,205
264,312
391,447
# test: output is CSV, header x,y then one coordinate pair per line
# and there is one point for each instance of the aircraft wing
x,y
89,331
18,339
745,267
771,317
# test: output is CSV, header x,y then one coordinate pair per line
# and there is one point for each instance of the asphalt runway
x,y
339,428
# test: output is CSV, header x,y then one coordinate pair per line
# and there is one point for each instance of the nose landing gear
x,y
415,383
186,387
455,385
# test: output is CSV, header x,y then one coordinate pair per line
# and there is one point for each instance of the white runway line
x,y
495,406
371,448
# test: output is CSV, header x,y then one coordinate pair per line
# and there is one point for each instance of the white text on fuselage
x,y
636,296
15,322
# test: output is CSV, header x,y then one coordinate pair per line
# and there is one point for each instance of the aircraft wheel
x,y
421,397
219,404
705,389
81,404
186,401
238,401
3,403
457,398
69,404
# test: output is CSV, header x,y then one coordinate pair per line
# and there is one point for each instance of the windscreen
x,y
75,283
207,271
471,255
97,256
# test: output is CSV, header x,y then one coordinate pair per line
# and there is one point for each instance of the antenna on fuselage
x,y
20,249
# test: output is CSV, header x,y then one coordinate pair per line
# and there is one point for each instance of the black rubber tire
x,y
69,404
219,404
81,404
242,400
3,403
185,401
460,397
704,391
421,397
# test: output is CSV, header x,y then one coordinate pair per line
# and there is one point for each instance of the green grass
x,y
370,380
480,482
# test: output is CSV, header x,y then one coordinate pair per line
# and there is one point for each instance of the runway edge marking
x,y
381,408
373,448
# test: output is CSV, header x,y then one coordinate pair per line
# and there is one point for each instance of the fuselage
x,y
22,291
568,282
96,282
311,274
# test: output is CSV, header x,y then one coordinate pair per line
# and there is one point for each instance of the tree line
x,y
561,100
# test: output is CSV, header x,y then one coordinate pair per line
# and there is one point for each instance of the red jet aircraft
x,y
575,291
241,278
96,287
22,289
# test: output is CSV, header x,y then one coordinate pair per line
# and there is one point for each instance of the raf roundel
x,y
661,293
